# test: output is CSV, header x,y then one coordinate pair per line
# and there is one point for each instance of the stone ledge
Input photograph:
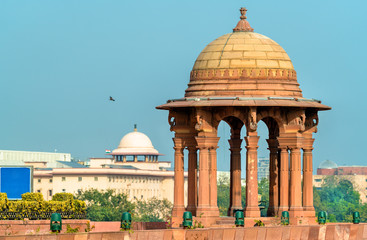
x,y
311,232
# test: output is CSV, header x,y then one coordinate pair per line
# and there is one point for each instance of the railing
x,y
39,215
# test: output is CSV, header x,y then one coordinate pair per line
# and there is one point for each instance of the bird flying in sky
x,y
112,99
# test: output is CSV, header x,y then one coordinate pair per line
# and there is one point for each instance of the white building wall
x,y
137,184
27,156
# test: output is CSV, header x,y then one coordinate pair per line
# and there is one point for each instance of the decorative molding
x,y
244,74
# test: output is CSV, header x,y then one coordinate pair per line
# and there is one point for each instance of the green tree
x,y
263,190
223,194
153,210
339,199
105,205
223,186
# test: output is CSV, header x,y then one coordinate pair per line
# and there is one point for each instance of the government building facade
x,y
132,168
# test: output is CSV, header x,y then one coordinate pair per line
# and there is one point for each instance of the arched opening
x,y
223,161
229,187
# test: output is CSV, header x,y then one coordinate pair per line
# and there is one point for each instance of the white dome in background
x,y
327,164
135,142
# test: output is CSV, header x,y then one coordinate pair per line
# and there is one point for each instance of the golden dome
x,y
243,64
240,50
243,68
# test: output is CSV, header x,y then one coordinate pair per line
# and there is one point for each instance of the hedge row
x,y
34,202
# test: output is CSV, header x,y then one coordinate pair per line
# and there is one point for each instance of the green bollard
x,y
356,218
55,223
187,220
240,222
126,221
285,218
321,218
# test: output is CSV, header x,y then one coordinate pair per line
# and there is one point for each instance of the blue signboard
x,y
15,181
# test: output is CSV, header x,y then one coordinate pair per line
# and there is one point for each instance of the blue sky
x,y
61,60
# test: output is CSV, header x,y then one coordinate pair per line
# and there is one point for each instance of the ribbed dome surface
x,y
243,64
135,142
243,50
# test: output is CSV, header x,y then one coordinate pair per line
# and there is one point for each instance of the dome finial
x,y
135,127
243,25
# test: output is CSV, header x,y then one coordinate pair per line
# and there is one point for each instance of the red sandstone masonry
x,y
313,232
20,227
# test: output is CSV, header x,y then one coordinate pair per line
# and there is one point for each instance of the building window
x,y
79,191
50,192
63,179
50,180
39,180
63,190
39,190
80,179
318,180
95,178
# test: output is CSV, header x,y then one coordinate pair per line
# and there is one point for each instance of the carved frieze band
x,y
255,73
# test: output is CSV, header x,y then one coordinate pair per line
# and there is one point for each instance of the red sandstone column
x,y
295,193
192,190
178,202
235,187
203,193
213,178
274,178
252,202
230,185
283,180
308,207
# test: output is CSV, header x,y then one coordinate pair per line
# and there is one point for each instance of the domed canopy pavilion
x,y
242,78
135,144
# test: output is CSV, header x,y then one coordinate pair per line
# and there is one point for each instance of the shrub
x,y
62,197
32,197
3,202
34,203
3,196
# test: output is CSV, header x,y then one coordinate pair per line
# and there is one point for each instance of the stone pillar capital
x,y
273,145
272,142
251,142
308,144
192,148
178,142
291,140
207,142
235,144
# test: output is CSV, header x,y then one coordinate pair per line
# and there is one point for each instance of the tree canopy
x,y
223,186
339,199
108,206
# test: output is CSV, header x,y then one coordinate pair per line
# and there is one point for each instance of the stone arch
x,y
235,140
273,146
227,114
273,127
277,117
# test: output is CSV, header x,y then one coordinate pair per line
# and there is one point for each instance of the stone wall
x,y
312,232
29,227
